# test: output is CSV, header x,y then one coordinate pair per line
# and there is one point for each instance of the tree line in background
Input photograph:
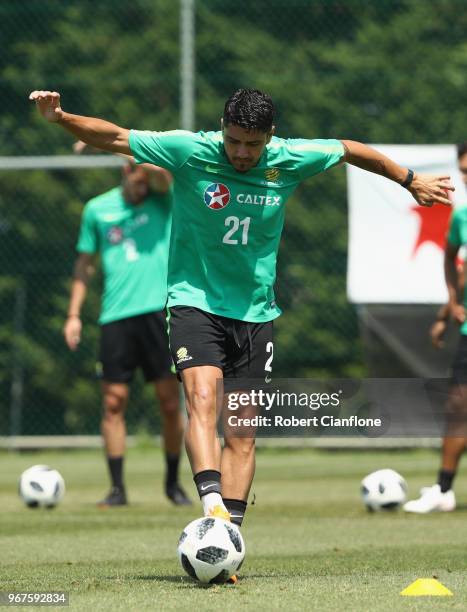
x,y
388,71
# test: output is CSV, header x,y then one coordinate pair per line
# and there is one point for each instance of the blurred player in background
x,y
129,228
440,497
231,189
443,318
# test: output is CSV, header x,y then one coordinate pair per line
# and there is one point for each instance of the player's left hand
x,y
428,189
437,331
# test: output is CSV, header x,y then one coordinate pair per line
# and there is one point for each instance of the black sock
x,y
172,462
207,481
237,509
445,478
116,471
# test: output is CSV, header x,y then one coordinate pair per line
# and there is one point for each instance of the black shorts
x,y
459,366
240,349
134,342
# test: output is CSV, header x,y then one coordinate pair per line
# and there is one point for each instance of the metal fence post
x,y
187,64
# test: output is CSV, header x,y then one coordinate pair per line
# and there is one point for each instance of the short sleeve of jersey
x,y
454,235
88,238
314,156
169,150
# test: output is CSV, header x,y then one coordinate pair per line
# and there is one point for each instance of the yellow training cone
x,y
426,586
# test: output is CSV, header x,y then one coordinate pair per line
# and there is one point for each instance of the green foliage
x,y
390,71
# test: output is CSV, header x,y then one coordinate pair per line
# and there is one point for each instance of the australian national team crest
x,y
216,196
272,175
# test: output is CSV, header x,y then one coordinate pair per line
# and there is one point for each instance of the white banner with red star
x,y
396,247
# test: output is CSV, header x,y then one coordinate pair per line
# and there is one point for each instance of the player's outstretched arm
x,y
95,132
427,189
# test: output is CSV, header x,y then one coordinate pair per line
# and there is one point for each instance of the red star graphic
x,y
434,224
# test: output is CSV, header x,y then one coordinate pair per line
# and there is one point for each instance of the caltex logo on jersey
x,y
216,196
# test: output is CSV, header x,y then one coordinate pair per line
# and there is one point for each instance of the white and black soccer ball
x,y
40,485
211,549
383,490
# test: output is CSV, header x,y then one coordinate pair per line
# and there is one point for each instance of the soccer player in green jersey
x,y
231,189
129,228
440,497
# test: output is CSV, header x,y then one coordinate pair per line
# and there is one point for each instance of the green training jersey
x,y
133,242
457,237
227,225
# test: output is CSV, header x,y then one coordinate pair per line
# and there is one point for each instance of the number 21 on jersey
x,y
234,234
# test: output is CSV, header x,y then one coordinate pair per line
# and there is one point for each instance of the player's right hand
x,y
48,104
72,332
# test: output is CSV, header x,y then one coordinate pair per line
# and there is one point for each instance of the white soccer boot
x,y
432,500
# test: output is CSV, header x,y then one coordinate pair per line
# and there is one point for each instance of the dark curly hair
x,y
250,109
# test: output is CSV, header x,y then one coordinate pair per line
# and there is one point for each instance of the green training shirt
x,y
457,237
133,242
227,225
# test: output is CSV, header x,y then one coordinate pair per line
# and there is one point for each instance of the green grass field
x,y
310,543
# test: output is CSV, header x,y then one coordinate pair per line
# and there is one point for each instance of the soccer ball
x,y
211,549
40,485
383,490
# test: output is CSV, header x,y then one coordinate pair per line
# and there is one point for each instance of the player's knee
x,y
114,406
200,398
170,409
457,404
456,416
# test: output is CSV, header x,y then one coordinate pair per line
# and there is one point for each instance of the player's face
x,y
244,147
463,167
136,186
